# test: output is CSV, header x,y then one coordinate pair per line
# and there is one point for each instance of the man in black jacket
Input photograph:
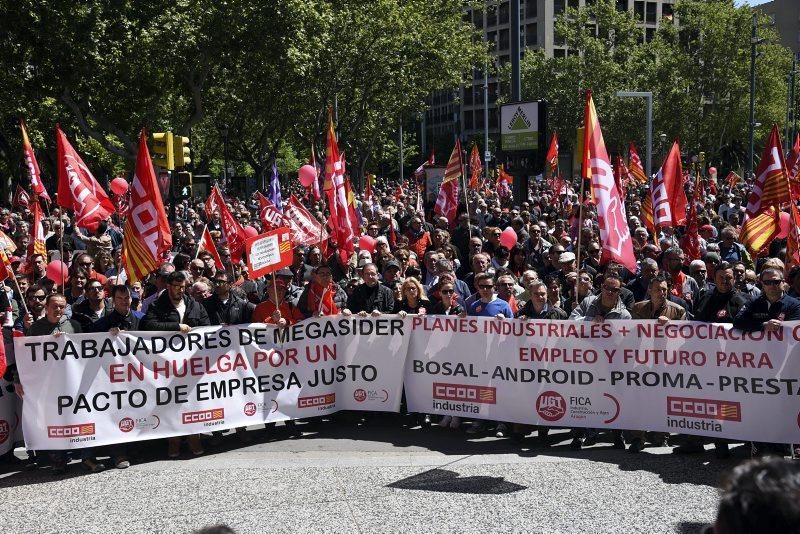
x,y
371,296
121,317
174,310
225,308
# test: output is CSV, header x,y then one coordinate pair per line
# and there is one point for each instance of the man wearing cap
x,y
277,307
225,308
371,297
322,296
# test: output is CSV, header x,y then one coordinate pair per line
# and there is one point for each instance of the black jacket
x,y
163,317
339,298
87,316
716,307
549,312
114,319
754,314
236,311
368,299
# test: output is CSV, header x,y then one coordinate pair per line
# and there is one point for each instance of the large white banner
x,y
685,377
95,389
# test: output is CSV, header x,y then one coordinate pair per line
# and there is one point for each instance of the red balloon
x,y
307,175
366,242
508,238
119,186
712,170
57,271
784,224
249,231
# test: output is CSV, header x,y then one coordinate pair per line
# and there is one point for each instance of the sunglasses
x,y
95,288
771,282
611,289
447,291
485,286
40,298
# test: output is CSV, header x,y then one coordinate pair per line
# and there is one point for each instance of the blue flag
x,y
274,193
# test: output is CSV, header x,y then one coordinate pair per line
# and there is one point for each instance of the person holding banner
x,y
371,297
175,311
225,308
277,309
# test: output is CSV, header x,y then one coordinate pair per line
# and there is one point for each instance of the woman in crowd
x,y
412,299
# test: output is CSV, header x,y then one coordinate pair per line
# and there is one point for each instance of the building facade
x,y
462,110
786,16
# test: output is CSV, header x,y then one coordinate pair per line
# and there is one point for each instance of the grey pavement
x,y
374,479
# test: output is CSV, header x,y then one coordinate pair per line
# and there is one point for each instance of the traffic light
x,y
163,155
181,152
183,184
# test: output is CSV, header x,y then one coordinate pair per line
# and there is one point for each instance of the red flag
x,y
212,202
33,166
335,189
504,181
351,208
206,244
21,198
771,187
614,232
368,187
305,229
315,184
392,232
233,231
268,213
36,242
732,179
669,198
420,171
398,192
618,176
552,154
793,239
447,201
793,168
647,213
635,166
77,188
691,240
475,168
757,232
147,235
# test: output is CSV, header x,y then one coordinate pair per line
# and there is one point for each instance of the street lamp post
x,y
649,134
754,41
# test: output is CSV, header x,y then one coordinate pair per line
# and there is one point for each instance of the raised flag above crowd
x,y
447,200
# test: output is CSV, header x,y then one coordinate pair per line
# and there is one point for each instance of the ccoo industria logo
x,y
464,393
704,408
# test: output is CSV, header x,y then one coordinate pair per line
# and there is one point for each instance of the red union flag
x,y
206,244
669,198
268,213
305,229
212,202
793,168
77,188
447,201
32,165
771,187
269,252
614,231
635,168
234,232
146,235
21,198
36,243
552,154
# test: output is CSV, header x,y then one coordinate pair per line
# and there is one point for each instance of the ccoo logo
x,y
551,406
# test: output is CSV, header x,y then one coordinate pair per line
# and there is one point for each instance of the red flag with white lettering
x,y
206,244
268,213
77,188
305,229
669,197
33,166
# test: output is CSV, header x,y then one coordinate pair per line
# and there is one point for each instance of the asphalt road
x,y
381,478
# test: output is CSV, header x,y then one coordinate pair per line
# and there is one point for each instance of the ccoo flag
x,y
147,235
77,188
669,198
33,166
614,231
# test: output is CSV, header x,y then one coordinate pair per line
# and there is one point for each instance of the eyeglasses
x,y
611,289
506,284
94,288
87,264
771,282
484,286
178,286
40,298
446,291
220,282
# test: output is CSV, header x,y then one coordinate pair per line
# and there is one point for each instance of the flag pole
x,y
202,235
466,189
580,226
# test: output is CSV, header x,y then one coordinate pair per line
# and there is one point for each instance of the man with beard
x,y
93,307
225,308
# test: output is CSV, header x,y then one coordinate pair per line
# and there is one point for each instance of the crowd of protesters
x,y
420,264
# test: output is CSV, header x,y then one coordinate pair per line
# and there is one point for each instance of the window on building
x,y
504,59
638,10
531,35
531,9
491,16
558,7
468,96
492,119
492,92
649,33
491,38
572,53
477,19
667,11
558,38
504,13
469,124
559,52
468,16
652,8
479,119
622,5
504,39
478,95
574,3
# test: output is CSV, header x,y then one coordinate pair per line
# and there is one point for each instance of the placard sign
x,y
269,252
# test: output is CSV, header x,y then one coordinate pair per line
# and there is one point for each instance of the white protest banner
x,y
9,421
685,377
95,389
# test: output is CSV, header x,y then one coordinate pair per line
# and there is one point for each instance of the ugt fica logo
x,y
551,406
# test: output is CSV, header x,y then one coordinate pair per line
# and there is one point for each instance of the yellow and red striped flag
x,y
475,168
147,234
793,239
36,243
635,167
759,231
647,213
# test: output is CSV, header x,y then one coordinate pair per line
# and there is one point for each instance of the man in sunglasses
x,y
35,296
771,309
224,307
92,308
